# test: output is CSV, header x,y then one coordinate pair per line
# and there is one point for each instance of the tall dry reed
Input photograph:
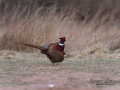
x,y
45,26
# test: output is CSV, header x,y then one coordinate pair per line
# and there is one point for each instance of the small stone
x,y
51,85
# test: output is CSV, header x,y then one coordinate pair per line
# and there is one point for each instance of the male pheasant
x,y
54,51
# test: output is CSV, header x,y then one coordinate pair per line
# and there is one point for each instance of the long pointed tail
x,y
34,46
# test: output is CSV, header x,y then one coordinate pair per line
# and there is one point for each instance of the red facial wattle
x,y
63,39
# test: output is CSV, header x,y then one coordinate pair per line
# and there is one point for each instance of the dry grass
x,y
23,71
42,27
94,45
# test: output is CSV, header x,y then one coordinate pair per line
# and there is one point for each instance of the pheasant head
x,y
62,40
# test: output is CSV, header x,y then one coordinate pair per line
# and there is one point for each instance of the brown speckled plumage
x,y
55,57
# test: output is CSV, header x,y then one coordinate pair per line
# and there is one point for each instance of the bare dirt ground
x,y
33,71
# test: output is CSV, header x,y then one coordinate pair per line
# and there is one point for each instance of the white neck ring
x,y
61,44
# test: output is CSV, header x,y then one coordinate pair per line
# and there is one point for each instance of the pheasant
x,y
54,51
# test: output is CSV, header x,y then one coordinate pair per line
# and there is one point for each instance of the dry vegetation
x,y
46,25
23,71
92,46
